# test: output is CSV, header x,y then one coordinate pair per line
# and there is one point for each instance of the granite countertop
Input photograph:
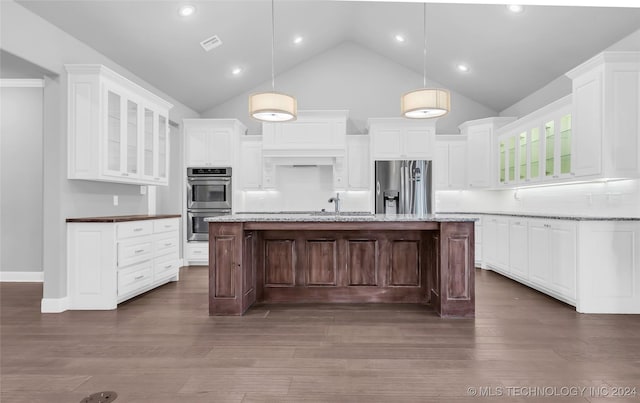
x,y
541,215
331,217
123,218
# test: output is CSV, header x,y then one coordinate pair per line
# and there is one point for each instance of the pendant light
x,y
273,106
425,103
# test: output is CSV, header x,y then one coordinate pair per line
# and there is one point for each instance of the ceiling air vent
x,y
211,43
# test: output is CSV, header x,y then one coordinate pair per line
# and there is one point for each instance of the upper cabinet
x,y
317,131
211,142
450,163
400,138
117,130
606,116
537,147
358,162
480,134
251,162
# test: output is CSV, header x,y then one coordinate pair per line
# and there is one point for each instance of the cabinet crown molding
x,y
598,60
497,121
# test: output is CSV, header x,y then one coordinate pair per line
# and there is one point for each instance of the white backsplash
x,y
302,189
614,198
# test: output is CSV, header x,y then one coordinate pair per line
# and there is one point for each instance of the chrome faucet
x,y
336,200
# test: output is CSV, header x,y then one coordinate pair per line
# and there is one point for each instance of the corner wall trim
x,y
22,276
54,305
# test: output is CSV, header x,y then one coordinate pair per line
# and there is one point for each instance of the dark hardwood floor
x,y
163,347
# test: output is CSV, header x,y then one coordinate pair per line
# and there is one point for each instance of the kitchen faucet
x,y
336,200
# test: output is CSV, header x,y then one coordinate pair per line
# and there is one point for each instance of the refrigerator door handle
x,y
378,188
403,190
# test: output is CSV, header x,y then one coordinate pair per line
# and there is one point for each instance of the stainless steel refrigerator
x,y
404,187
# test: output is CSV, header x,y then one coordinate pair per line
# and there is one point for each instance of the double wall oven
x,y
208,194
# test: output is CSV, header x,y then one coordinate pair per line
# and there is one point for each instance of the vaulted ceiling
x,y
509,55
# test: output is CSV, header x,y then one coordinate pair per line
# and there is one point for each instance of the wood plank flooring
x,y
163,347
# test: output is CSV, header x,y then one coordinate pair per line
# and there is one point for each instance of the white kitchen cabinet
x,y
479,242
211,142
496,243
197,253
537,147
117,130
250,166
358,162
606,120
110,262
312,130
553,257
518,248
450,162
399,138
480,135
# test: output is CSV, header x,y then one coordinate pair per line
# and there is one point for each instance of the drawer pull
x,y
138,251
137,229
168,244
125,174
168,266
139,277
168,226
197,252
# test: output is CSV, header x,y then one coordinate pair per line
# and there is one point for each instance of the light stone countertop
x,y
331,217
540,215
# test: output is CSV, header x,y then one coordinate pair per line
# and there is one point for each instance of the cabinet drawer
x,y
169,224
163,267
133,228
134,278
134,251
198,252
166,245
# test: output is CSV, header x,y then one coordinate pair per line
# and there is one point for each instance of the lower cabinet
x,y
496,243
196,253
518,248
110,262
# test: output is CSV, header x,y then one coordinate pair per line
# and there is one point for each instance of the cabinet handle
x,y
572,174
124,174
156,179
167,225
168,266
138,251
197,252
139,277
168,244
555,176
137,229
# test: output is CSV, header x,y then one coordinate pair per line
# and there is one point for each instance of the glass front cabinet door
x,y
537,148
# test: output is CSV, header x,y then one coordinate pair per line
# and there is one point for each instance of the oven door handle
x,y
208,180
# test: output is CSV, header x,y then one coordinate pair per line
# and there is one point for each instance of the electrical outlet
x,y
115,200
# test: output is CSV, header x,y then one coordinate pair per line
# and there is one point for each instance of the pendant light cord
x,y
273,36
424,53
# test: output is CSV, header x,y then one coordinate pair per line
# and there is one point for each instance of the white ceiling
x,y
510,55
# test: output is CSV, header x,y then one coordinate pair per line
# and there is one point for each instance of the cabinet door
x,y
358,162
457,163
419,144
490,242
387,144
221,147
518,248
132,146
162,169
502,243
115,129
588,124
562,240
150,144
225,269
197,147
539,260
251,164
479,156
441,166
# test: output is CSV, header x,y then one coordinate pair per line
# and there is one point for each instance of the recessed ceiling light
x,y
186,10
515,8
236,71
463,68
298,40
400,38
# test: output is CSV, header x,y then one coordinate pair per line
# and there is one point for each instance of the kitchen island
x,y
346,258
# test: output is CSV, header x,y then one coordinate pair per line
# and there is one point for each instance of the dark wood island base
x,y
423,262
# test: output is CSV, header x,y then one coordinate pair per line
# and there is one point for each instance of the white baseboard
x,y
22,276
54,305
181,263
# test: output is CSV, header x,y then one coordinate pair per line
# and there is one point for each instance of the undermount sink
x,y
343,213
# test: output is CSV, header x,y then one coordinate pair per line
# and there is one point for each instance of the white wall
x,y
351,77
302,189
33,39
21,205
